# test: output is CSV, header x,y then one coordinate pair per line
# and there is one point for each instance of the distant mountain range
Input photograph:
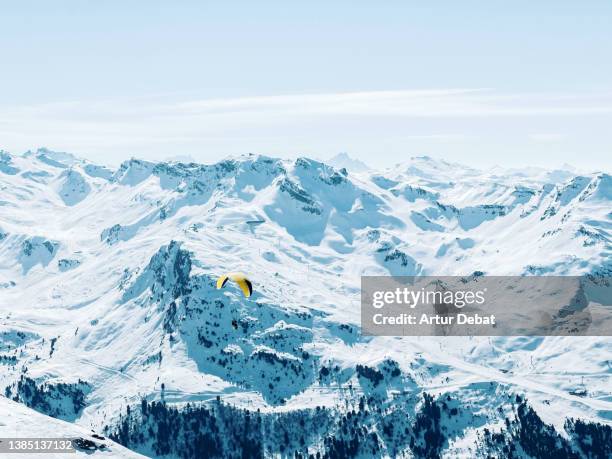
x,y
111,319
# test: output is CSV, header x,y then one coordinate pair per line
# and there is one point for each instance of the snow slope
x,y
17,421
107,278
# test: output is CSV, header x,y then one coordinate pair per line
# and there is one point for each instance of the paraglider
x,y
240,279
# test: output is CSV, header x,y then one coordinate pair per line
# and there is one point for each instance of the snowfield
x,y
19,421
108,301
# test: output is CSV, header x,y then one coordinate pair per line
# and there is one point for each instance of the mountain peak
x,y
56,158
343,160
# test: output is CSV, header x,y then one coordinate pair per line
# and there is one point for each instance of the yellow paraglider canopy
x,y
242,281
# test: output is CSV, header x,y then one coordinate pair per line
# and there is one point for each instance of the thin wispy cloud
x,y
162,127
419,103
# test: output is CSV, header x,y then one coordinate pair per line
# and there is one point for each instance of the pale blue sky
x,y
512,83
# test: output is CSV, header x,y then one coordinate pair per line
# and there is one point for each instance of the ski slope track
x,y
108,298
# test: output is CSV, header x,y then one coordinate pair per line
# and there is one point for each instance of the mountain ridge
x,y
114,273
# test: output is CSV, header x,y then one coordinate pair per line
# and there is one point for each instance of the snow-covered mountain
x,y
344,161
111,319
